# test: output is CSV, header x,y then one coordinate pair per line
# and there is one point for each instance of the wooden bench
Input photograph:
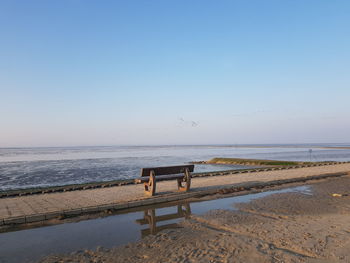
x,y
181,173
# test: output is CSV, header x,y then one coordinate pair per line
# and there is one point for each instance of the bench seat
x,y
159,178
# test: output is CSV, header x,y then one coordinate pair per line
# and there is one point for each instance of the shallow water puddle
x,y
32,244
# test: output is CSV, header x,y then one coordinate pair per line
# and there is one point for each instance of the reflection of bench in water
x,y
150,218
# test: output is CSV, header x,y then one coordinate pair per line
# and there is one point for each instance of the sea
x,y
22,168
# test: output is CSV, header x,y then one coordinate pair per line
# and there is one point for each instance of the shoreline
x,y
124,182
43,207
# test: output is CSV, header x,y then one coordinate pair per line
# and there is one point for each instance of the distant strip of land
x,y
308,146
336,147
240,161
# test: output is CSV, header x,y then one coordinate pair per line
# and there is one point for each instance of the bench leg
x,y
150,187
186,180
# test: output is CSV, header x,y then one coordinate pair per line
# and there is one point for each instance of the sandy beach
x,y
284,227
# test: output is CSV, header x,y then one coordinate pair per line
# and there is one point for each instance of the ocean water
x,y
38,167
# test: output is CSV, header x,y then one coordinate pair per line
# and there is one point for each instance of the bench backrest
x,y
167,170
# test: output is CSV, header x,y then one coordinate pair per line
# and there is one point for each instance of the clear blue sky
x,y
81,72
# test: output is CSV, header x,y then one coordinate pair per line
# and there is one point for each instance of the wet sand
x,y
284,227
